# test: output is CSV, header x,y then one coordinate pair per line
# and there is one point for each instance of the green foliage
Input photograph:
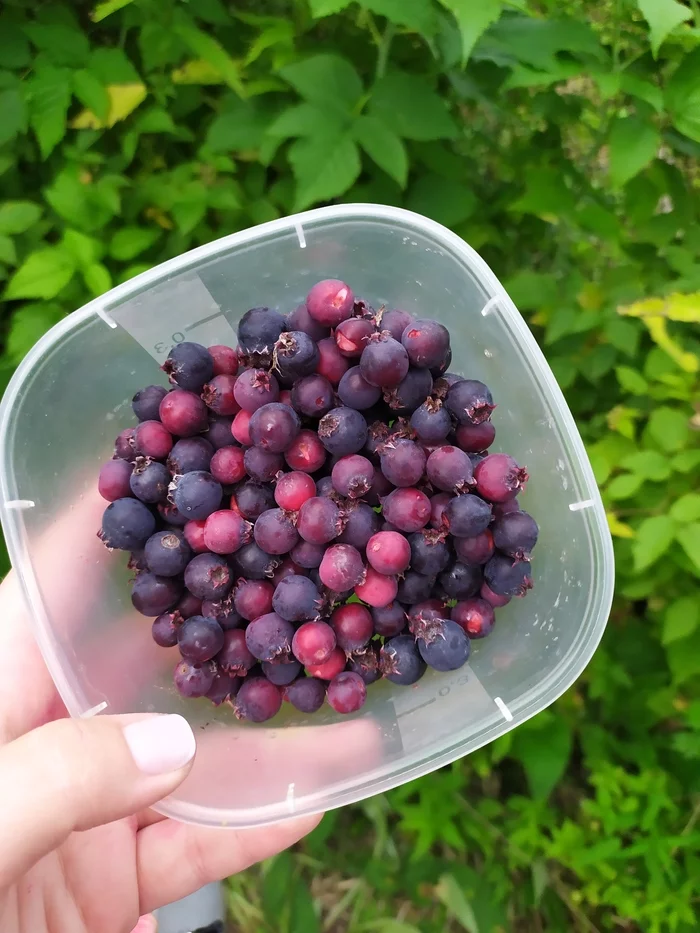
x,y
561,139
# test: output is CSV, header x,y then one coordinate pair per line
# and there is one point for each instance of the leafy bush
x,y
560,138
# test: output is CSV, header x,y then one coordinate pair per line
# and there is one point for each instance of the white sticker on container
x,y
181,308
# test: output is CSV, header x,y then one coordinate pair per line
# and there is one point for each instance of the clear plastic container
x,y
71,396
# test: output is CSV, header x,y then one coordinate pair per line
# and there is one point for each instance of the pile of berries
x,y
316,509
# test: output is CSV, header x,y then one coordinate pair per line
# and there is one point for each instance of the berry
x,y
252,499
347,692
273,427
189,366
218,395
515,533
225,532
124,445
296,355
330,301
449,468
506,577
196,494
365,662
499,478
407,508
146,402
466,516
200,638
446,648
341,568
389,620
476,550
286,568
361,522
208,576
429,553
183,413
293,489
494,599
400,662
325,489
257,700
113,480
313,643
152,439
296,599
352,476
377,589
219,431
255,388
414,588
389,552
274,532
307,555
332,365
269,637
226,465
258,331
411,392
355,392
234,656
461,581
194,535
353,626
261,465
224,613
438,504
191,453
469,401
189,605
431,422
193,679
342,431
403,462
421,616
167,553
426,342
225,360
351,336
240,428
330,668
224,687
300,319
152,595
476,616
395,321
170,515
475,437
252,562
306,452
319,520
384,361
306,694
149,480
312,396
503,508
165,628
127,524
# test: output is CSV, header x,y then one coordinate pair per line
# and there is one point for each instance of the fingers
x,y
175,859
72,775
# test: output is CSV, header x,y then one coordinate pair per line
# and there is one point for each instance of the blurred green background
x,y
561,139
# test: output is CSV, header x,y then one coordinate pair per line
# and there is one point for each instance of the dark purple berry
x,y
152,595
467,516
460,581
269,637
361,522
515,533
475,550
281,674
258,332
167,553
189,366
429,552
261,465
124,445
189,454
196,494
475,438
470,401
365,662
165,628
384,361
257,700
507,577
223,611
343,431
476,616
431,422
252,562
252,499
411,392
273,427
146,402
219,431
449,468
223,688
355,392
193,679
312,396
127,524
234,656
300,319
307,555
445,647
400,661
389,620
426,342
149,480
403,462
208,576
352,476
255,388
395,321
296,599
200,638
275,532
306,694
295,355
414,588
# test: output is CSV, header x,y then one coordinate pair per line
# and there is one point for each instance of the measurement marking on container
x,y
94,710
503,708
490,305
20,504
204,320
584,504
300,235
291,802
406,712
100,312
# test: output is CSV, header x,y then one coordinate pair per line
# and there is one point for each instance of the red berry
x,y
475,437
218,395
194,535
225,360
253,598
377,589
240,428
341,568
293,489
347,692
226,465
183,413
152,439
407,508
313,643
353,626
476,616
351,335
331,364
329,668
388,552
306,452
499,478
225,532
330,301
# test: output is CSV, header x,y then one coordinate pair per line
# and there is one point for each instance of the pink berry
x,y
476,616
407,508
353,626
225,532
226,465
183,413
218,395
293,489
347,692
113,480
331,363
388,552
377,589
499,478
306,452
341,568
194,535
330,668
225,360
313,643
152,439
240,428
330,301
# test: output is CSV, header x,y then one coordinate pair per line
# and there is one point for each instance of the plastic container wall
x,y
71,396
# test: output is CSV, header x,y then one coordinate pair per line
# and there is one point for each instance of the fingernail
x,y
160,743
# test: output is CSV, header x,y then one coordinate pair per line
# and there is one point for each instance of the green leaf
x,y
473,20
29,324
663,17
325,166
97,278
84,249
654,537
681,619
682,656
408,105
8,253
42,274
106,8
240,126
49,97
669,428
686,461
448,202
129,242
538,41
14,48
62,45
686,509
683,96
689,539
644,90
631,380
632,143
300,120
321,8
383,146
302,913
418,15
18,216
452,896
624,486
209,49
544,753
327,80
91,93
112,66
276,884
14,114
648,463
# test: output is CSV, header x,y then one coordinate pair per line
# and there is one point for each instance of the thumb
x,y
74,774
